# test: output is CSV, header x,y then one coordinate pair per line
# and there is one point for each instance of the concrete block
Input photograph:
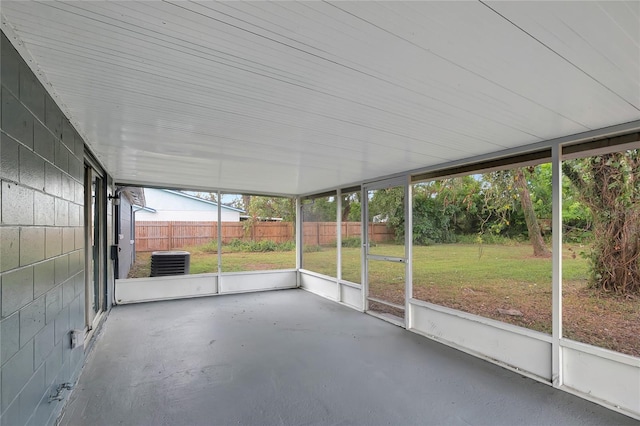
x,y
53,300
10,248
68,135
74,263
68,291
62,212
17,121
17,204
31,245
31,320
16,373
44,343
62,269
53,117
76,168
11,415
68,239
45,410
52,180
9,66
43,141
79,193
79,238
43,209
79,282
76,313
17,290
78,149
43,277
54,364
74,214
9,158
62,327
53,242
67,187
76,358
9,337
31,169
61,154
32,394
32,93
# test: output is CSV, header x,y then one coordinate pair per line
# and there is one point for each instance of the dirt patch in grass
x,y
142,266
605,320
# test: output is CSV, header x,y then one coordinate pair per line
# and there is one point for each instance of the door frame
x,y
403,182
95,254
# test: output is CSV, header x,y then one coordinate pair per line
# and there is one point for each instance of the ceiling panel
x,y
294,97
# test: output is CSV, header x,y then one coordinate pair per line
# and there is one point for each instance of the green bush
x,y
577,235
237,245
312,249
210,247
353,242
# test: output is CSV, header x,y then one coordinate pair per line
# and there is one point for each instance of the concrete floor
x,y
292,358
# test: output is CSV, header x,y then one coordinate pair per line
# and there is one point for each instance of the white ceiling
x,y
290,98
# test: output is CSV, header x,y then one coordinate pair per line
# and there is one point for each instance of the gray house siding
x,y
42,246
125,248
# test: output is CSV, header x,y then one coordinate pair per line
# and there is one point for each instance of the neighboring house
x,y
168,205
131,199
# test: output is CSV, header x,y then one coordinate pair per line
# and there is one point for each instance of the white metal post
x,y
298,239
408,241
364,239
556,327
219,235
339,242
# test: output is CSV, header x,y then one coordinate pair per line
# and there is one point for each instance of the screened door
x,y
386,251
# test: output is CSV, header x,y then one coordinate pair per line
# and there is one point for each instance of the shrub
x,y
353,242
237,245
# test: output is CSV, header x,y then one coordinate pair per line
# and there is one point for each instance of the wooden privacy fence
x,y
165,235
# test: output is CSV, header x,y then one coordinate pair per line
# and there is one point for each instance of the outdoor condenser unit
x,y
165,263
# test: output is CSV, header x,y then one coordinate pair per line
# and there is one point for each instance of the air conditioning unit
x,y
165,263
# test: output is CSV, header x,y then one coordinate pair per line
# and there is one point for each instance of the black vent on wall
x,y
165,263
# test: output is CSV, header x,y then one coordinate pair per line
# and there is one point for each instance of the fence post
x,y
170,242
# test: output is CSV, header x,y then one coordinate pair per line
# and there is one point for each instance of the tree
x,y
533,227
506,192
322,209
609,185
351,207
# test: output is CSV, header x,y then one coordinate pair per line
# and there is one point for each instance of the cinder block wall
x,y
42,246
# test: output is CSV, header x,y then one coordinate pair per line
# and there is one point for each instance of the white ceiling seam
x,y
625,83
276,95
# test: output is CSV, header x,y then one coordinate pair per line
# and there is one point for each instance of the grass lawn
x,y
487,280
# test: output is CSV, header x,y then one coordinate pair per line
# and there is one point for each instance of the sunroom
x,y
456,175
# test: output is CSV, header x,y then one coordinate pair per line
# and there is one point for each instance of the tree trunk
x,y
248,225
346,209
612,192
533,227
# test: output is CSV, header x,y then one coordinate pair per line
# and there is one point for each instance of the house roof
x,y
296,97
144,208
134,194
202,200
